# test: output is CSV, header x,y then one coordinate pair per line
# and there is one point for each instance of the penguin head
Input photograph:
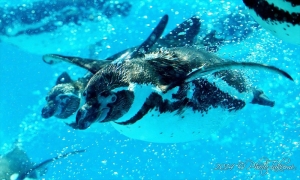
x,y
106,98
62,101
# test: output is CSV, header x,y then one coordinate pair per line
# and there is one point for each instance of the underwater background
x,y
264,132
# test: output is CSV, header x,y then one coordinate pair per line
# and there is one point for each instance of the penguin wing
x,y
94,65
146,45
182,35
154,36
203,71
89,64
43,164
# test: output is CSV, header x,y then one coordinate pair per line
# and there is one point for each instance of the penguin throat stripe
x,y
141,93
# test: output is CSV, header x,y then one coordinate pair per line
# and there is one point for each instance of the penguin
x,y
63,99
212,123
26,24
16,165
55,12
166,97
280,17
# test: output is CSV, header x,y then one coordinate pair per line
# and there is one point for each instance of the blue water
x,y
264,132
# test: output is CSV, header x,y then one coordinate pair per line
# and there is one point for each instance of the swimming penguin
x,y
26,24
166,97
16,165
209,97
63,99
280,17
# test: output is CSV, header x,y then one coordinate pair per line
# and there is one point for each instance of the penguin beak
x,y
62,107
87,115
49,110
95,109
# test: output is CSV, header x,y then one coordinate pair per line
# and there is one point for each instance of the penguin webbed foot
x,y
260,98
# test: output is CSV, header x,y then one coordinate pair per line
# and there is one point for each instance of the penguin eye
x,y
113,98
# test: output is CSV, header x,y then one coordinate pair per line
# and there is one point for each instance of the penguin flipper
x,y
153,37
203,71
42,166
89,64
147,44
183,34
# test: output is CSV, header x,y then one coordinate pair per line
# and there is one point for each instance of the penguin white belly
x,y
175,128
172,126
283,30
280,17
